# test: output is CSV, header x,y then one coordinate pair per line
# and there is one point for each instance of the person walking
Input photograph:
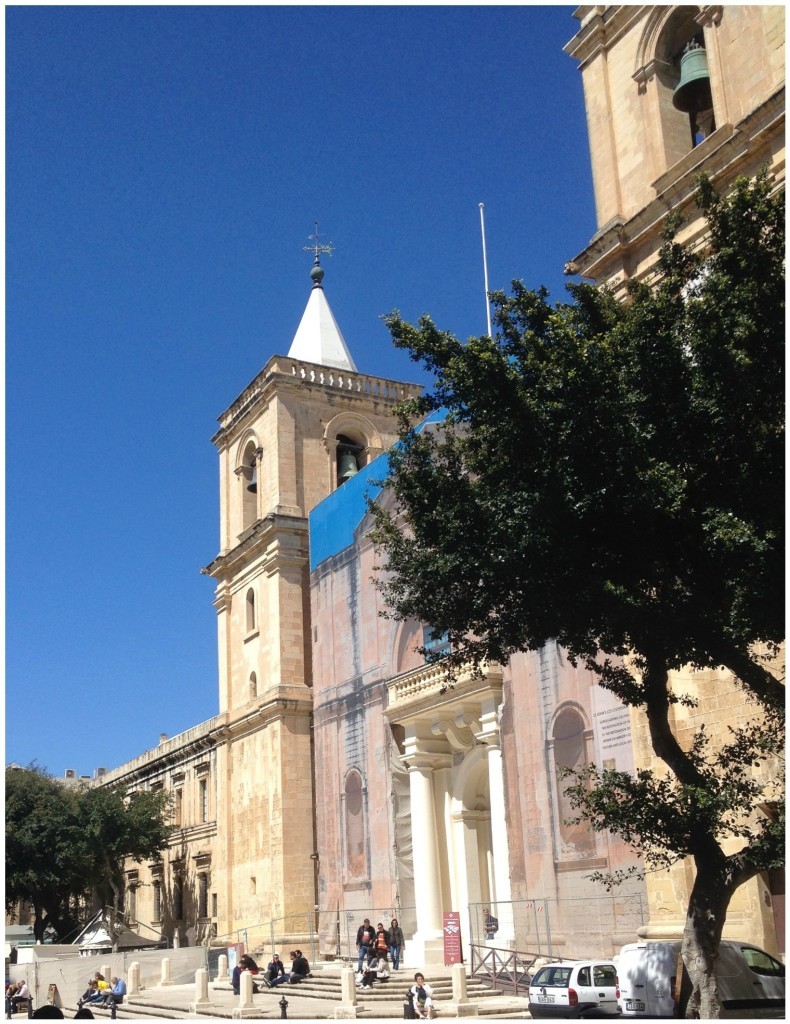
x,y
396,943
366,936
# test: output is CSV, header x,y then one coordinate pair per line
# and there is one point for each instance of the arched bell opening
x,y
682,49
248,482
349,458
692,95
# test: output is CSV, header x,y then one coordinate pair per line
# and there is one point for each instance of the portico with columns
x,y
452,752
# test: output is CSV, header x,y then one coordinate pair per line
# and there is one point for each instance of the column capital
x,y
425,762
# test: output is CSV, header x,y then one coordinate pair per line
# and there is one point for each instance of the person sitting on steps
x,y
422,996
274,969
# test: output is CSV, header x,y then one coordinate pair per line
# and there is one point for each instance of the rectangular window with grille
x,y
202,895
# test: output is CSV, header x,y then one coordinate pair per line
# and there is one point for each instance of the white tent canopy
x,y
95,935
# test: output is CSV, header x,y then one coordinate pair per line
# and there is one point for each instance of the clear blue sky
x,y
164,169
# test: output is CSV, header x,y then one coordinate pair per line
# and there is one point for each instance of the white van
x,y
751,981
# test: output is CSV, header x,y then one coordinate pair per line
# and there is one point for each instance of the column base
x,y
458,1009
426,952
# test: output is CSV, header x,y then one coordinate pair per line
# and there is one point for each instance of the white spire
x,y
318,338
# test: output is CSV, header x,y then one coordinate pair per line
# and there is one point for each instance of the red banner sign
x,y
452,938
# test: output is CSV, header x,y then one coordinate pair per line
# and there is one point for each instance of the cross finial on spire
x,y
317,249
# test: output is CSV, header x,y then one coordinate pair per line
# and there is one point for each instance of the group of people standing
x,y
378,943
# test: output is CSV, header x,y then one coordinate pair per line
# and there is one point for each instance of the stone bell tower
x,y
673,91
302,427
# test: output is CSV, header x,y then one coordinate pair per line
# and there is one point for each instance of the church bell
x,y
252,486
692,94
346,466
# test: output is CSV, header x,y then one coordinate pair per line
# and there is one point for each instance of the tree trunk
x,y
707,911
715,879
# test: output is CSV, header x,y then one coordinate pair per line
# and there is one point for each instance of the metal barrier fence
x,y
575,928
297,931
71,973
502,968
339,928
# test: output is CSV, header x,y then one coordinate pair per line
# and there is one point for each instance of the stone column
x,y
222,967
426,860
133,981
499,845
165,971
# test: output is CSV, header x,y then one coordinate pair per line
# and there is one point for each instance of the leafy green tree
x,y
66,845
117,828
46,863
610,475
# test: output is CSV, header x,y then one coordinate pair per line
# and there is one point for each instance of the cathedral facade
x,y
341,775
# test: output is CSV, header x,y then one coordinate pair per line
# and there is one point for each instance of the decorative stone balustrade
x,y
431,680
346,381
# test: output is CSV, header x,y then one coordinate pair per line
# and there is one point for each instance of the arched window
x,y
436,644
570,751
250,610
355,825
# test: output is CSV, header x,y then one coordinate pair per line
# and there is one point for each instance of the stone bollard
x,y
165,971
460,1006
222,967
245,991
133,981
348,995
107,973
201,985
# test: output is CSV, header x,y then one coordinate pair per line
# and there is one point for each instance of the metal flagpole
x,y
485,268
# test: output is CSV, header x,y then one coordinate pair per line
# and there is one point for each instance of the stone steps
x,y
381,991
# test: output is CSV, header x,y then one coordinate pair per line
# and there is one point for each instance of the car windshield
x,y
552,977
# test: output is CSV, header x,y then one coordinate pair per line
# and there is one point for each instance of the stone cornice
x,y
187,746
718,155
602,25
256,540
279,702
183,834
